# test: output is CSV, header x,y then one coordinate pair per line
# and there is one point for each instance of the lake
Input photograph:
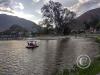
x,y
51,55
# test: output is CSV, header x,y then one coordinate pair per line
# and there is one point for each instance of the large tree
x,y
57,15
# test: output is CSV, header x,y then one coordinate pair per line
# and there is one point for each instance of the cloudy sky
x,y
30,9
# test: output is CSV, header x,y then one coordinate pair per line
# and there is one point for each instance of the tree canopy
x,y
57,15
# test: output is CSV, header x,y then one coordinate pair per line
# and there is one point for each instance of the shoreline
x,y
37,38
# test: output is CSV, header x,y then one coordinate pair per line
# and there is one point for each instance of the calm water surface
x,y
15,59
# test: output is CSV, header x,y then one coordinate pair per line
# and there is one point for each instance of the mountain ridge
x,y
6,21
89,15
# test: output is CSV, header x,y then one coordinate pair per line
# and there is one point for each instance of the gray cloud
x,y
11,5
5,3
78,6
84,5
33,7
64,2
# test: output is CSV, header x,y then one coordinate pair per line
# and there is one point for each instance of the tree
x,y
46,25
92,23
57,15
98,26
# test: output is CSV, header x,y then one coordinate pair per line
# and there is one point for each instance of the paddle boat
x,y
31,44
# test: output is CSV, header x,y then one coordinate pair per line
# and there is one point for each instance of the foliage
x,y
57,15
46,27
97,39
98,25
92,23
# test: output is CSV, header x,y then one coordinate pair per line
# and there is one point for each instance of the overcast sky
x,y
31,9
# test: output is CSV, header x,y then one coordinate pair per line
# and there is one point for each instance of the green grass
x,y
97,39
92,70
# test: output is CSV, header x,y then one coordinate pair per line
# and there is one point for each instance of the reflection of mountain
x,y
7,21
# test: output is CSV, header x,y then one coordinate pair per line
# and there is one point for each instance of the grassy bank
x,y
94,69
97,39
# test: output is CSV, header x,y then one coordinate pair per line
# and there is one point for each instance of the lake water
x,y
15,59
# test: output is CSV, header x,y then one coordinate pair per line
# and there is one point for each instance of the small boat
x,y
31,44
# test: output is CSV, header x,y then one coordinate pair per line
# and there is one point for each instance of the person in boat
x,y
28,43
32,43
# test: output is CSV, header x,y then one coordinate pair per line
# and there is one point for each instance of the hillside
x,y
6,21
89,15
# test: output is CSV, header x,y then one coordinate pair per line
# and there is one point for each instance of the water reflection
x,y
51,55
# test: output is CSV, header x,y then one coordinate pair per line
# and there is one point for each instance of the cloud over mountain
x,y
85,5
33,7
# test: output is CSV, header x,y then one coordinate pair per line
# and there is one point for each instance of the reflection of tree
x,y
60,48
54,51
56,15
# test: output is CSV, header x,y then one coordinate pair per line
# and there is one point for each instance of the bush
x,y
97,39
